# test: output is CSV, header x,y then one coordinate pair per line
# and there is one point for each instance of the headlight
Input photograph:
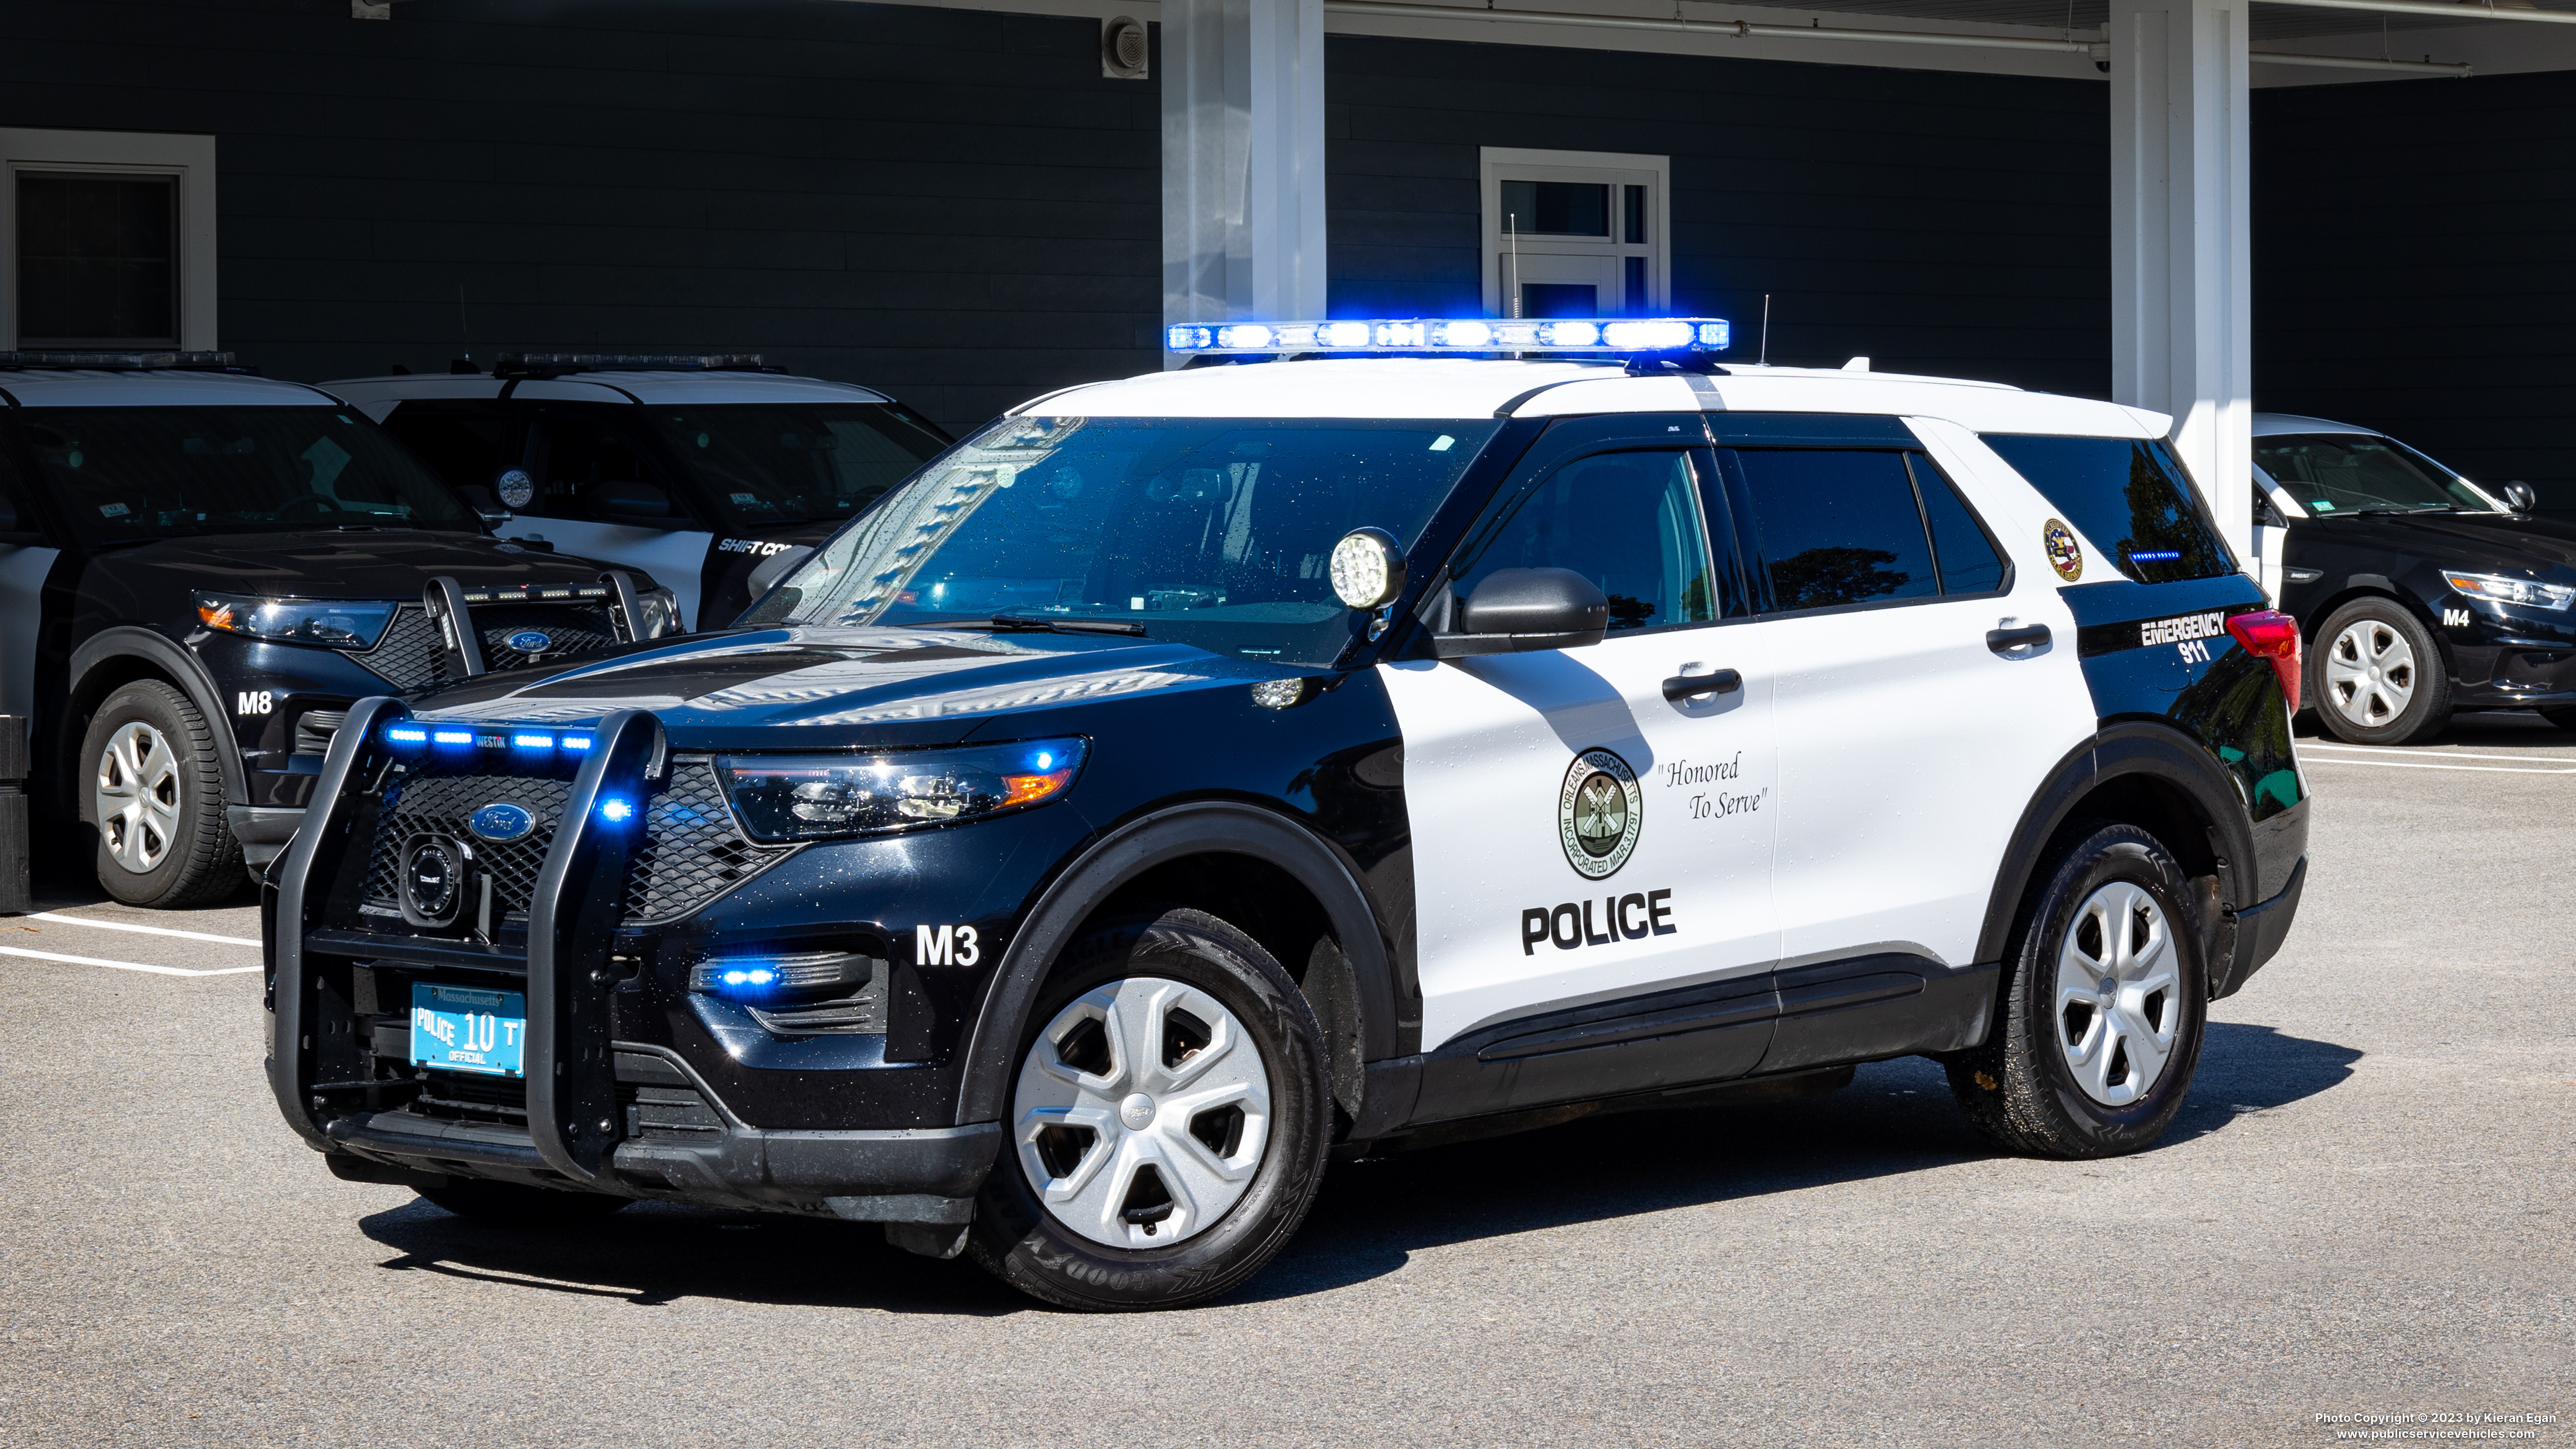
x,y
812,797
661,613
333,623
2529,593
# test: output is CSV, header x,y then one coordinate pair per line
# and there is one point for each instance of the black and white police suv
x,y
200,570
1189,775
713,473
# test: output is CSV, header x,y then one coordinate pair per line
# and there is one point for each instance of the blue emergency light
x,y
1616,337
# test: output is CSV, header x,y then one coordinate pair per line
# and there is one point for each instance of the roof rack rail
x,y
556,364
124,361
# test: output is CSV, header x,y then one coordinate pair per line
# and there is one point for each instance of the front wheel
x,y
155,795
2379,678
1168,1122
2103,1012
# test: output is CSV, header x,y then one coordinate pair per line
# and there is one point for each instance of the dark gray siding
x,y
955,205
2411,241
1943,223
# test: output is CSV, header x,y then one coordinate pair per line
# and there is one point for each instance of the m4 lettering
x,y
2455,618
946,946
1631,917
255,701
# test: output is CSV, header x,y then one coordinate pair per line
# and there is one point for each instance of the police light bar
x,y
629,362
117,361
1605,336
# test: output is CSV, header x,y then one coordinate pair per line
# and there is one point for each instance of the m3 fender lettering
x,y
946,946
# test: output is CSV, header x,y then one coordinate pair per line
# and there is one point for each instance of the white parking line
x,y
2423,765
2375,750
124,965
252,941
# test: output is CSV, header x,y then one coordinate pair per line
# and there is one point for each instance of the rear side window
x,y
2130,496
1968,559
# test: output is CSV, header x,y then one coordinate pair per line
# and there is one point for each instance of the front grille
x,y
410,656
693,851
441,804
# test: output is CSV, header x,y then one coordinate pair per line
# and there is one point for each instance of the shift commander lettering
x,y
1631,917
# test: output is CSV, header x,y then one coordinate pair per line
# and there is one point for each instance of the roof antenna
x,y
1765,359
463,364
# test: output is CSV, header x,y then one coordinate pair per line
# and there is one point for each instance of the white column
x,y
2181,288
1243,160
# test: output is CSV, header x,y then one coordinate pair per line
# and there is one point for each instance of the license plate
x,y
468,1029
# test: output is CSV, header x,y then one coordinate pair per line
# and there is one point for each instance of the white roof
x,y
152,387
1445,387
688,389
2274,424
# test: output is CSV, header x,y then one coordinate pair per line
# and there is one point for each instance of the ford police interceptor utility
x,y
200,570
713,473
1188,776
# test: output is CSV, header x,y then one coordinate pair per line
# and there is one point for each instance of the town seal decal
x,y
2064,554
1599,813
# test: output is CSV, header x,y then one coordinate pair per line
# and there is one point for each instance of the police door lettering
x,y
946,946
1632,917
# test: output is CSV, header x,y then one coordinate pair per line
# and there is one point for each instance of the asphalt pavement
x,y
2364,1208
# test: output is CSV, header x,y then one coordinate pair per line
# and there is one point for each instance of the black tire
x,y
2019,1089
196,861
1019,1241
517,1205
2355,716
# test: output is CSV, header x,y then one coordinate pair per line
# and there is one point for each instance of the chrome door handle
x,y
2004,641
1690,686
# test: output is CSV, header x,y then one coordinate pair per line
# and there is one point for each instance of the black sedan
x,y
2421,591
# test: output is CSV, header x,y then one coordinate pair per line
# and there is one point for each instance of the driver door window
x,y
573,459
1628,522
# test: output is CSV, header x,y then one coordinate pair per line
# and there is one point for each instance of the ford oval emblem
x,y
530,641
501,821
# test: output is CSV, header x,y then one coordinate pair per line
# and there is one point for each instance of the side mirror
x,y
1521,609
629,500
2520,497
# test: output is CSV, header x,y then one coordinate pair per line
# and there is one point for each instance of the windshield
x,y
2355,473
765,463
163,472
1213,532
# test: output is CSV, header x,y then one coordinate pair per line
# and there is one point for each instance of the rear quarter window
x,y
2129,496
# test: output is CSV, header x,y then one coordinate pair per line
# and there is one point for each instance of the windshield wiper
x,y
1007,622
127,542
2384,512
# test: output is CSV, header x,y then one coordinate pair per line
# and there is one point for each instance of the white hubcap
x,y
2370,673
1141,1113
137,796
2119,997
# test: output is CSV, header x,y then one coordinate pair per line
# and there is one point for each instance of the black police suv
x,y
200,571
1192,775
2422,592
713,473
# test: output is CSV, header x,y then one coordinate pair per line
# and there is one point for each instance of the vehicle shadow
x,y
2511,729
1371,1216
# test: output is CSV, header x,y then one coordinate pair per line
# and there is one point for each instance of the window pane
x,y
1636,216
462,441
1637,303
2348,473
1630,523
1560,299
766,463
96,262
2129,496
1969,564
1837,527
576,459
1555,208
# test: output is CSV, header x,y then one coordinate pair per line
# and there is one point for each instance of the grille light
x,y
533,742
574,742
616,810
1624,336
452,737
756,978
406,735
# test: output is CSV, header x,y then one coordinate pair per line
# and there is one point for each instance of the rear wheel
x,y
2379,678
155,795
2103,1012
1168,1122
519,1205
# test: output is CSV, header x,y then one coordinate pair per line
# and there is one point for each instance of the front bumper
x,y
596,1109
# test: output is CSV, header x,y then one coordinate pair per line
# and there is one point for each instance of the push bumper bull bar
x,y
576,1129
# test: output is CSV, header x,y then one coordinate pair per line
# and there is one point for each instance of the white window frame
x,y
1498,164
111,153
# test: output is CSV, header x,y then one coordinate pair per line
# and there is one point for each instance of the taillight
x,y
2275,636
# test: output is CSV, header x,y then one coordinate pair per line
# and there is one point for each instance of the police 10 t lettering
x,y
1631,917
